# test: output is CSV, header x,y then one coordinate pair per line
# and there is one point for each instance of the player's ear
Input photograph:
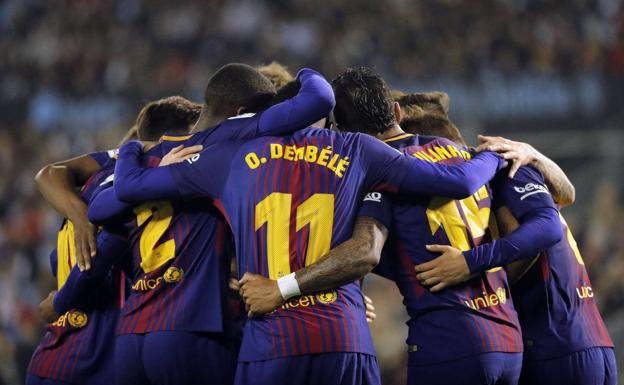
x,y
241,110
397,112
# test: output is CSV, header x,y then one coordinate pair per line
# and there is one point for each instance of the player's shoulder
x,y
525,174
239,121
439,141
527,179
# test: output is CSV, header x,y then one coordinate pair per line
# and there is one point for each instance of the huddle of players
x,y
308,212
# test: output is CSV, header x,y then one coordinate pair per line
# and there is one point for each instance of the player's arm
x,y
388,169
203,175
347,262
540,228
522,154
58,184
105,207
77,291
506,224
313,102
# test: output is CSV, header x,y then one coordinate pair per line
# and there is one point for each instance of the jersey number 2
x,y
159,215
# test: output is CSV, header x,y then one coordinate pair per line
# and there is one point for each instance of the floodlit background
x,y
73,75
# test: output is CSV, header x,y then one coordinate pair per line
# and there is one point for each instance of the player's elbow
x,y
327,101
370,236
551,231
568,197
366,256
554,234
124,190
42,176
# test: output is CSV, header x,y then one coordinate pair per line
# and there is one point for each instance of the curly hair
x,y
173,114
363,101
277,73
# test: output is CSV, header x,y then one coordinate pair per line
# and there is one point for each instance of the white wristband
x,y
288,286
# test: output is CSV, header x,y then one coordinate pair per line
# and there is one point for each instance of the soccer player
x,y
175,323
288,200
467,335
78,347
565,339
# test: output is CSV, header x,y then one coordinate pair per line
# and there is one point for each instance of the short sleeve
x,y
522,194
377,206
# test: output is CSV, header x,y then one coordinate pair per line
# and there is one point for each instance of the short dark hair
x,y
363,101
235,85
174,114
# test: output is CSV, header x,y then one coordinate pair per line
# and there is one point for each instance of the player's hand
x,y
370,309
180,154
234,285
46,308
448,269
519,153
261,294
84,240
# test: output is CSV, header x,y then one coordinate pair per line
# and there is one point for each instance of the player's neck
x,y
205,121
390,133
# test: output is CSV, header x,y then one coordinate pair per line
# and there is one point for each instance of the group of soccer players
x,y
226,243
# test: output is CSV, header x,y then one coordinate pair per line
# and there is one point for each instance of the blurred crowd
x,y
74,74
67,59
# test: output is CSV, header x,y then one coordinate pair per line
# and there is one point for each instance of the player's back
x,y
180,254
77,347
179,264
556,304
474,317
289,200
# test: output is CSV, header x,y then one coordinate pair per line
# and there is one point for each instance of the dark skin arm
x,y
347,262
46,308
522,154
58,184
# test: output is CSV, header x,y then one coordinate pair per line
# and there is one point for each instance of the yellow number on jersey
x,y
448,214
65,253
159,215
274,210
572,241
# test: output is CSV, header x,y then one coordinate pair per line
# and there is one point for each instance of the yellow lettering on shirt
x,y
324,157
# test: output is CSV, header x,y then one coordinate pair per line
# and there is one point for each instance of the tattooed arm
x,y
347,262
522,154
560,187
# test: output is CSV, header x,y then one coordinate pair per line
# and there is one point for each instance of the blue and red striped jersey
x,y
179,263
554,299
288,200
77,347
474,317
180,255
